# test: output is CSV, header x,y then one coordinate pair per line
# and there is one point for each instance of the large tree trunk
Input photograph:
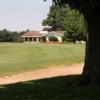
x,y
91,71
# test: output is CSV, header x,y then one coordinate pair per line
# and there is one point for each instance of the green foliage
x,y
4,35
55,18
75,27
52,38
8,36
79,4
89,8
65,19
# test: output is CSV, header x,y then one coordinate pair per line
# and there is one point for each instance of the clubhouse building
x,y
43,36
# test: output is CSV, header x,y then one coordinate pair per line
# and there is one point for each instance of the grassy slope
x,y
19,57
58,88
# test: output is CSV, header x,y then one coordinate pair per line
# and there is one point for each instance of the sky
x,y
19,15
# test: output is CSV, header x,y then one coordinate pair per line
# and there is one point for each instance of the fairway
x,y
18,57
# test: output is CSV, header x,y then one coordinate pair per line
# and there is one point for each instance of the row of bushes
x,y
8,36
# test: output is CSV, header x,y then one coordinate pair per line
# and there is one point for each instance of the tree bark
x,y
91,70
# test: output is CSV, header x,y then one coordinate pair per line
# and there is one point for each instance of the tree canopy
x,y
55,18
8,36
66,19
74,26
86,7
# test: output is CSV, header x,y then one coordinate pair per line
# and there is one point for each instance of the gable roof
x,y
32,34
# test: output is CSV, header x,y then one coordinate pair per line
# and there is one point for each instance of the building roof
x,y
32,34
40,34
55,33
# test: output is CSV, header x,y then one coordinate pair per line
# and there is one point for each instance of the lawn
x,y
18,57
57,88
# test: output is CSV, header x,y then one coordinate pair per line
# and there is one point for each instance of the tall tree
x,y
55,18
66,19
90,9
74,26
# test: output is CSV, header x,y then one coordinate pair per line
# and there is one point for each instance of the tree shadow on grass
x,y
56,88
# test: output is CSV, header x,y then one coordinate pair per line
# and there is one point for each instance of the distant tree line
x,y
9,36
66,19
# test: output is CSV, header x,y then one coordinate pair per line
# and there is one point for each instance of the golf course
x,y
20,57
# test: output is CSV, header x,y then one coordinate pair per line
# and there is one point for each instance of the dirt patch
x,y
43,73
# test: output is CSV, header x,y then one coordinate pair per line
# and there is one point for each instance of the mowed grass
x,y
57,88
18,57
